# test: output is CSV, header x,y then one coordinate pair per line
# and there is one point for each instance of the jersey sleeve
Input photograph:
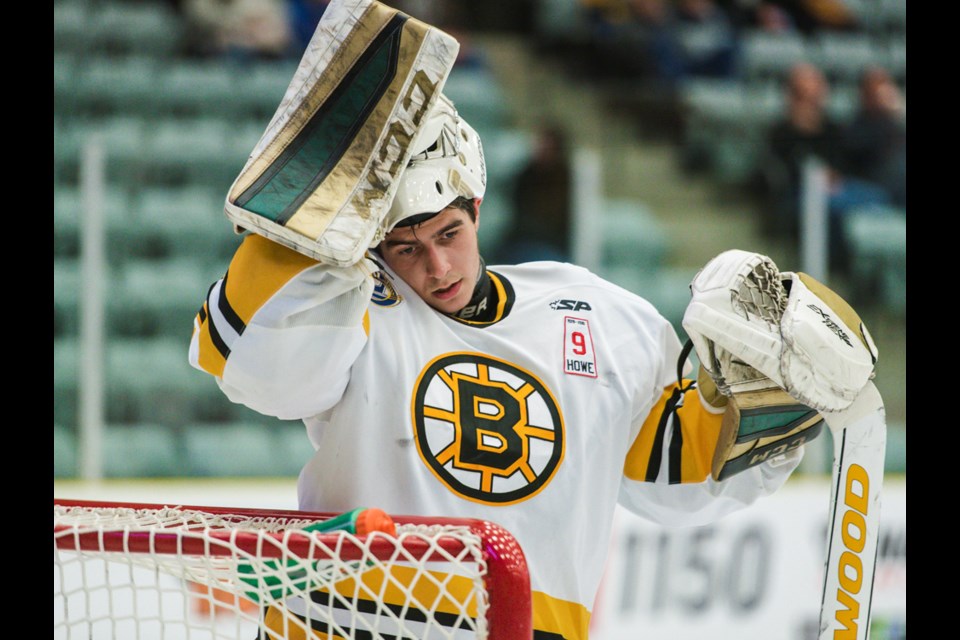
x,y
280,331
666,476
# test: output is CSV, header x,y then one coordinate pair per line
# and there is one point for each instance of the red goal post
x,y
138,570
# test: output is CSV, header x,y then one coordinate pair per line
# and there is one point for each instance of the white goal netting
x,y
150,571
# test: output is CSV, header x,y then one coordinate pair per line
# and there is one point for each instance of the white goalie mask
x,y
447,163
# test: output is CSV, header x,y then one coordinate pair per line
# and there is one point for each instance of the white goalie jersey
x,y
539,411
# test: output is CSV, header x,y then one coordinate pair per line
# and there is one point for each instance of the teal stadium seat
x,y
894,58
151,381
561,20
725,124
68,213
843,56
68,284
64,452
232,450
185,222
877,241
479,98
188,89
122,139
141,451
70,24
64,82
160,298
506,152
768,56
632,236
199,150
843,100
259,90
149,28
117,86
894,15
66,297
666,288
66,371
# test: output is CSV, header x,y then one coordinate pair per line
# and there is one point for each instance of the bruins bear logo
x,y
488,430
384,295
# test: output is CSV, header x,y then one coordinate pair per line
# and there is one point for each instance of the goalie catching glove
x,y
778,348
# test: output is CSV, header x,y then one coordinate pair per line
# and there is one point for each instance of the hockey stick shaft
x,y
859,439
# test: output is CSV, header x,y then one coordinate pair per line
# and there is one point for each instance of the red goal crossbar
x,y
506,580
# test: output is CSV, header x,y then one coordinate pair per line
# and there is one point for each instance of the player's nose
x,y
437,263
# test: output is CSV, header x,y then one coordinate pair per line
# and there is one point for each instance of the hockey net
x,y
137,571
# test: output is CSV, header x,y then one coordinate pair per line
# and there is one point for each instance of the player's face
x,y
439,258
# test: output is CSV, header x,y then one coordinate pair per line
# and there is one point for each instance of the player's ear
x,y
476,208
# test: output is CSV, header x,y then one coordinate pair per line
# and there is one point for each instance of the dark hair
x,y
465,204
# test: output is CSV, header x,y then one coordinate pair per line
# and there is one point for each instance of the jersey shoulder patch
x,y
384,294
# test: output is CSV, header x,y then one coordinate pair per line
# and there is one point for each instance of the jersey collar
x,y
492,300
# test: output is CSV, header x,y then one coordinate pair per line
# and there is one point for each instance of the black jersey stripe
x,y
231,316
656,451
675,454
218,340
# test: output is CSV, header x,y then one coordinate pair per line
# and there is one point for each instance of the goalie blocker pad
x,y
323,175
788,326
761,426
761,422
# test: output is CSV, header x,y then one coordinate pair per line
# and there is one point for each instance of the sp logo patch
x,y
490,431
570,305
384,295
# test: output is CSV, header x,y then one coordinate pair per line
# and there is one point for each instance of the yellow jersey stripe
x,y
259,269
701,431
568,620
638,458
695,429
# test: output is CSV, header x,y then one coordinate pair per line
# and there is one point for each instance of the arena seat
x,y
140,451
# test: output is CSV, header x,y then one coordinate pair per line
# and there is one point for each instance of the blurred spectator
x,y
708,39
806,129
542,211
772,18
806,16
876,137
665,41
238,29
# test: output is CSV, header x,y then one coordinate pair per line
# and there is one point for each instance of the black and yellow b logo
x,y
490,431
